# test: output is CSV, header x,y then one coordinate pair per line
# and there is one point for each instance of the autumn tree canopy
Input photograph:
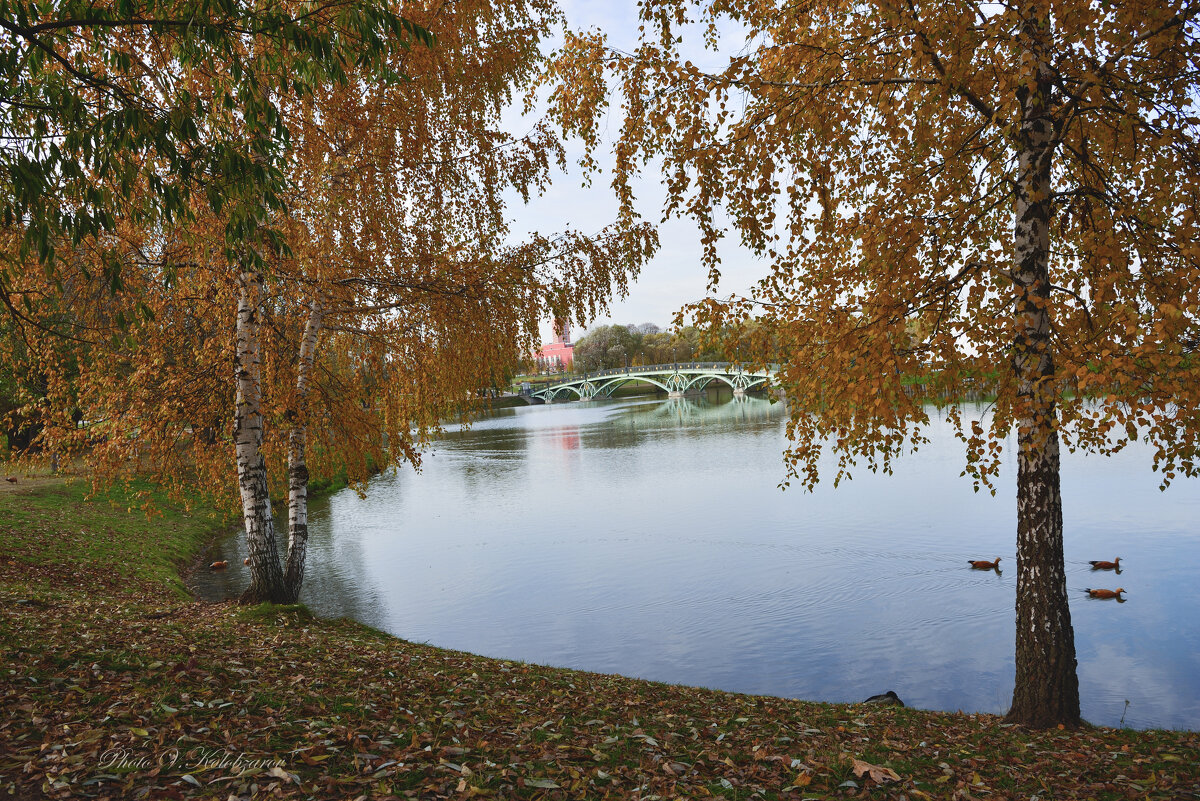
x,y
953,193
145,111
379,290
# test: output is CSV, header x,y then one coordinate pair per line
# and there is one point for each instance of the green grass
x,y
51,523
278,614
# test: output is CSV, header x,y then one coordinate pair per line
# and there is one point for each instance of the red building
x,y
556,356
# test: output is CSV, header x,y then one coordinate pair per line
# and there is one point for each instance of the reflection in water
x,y
649,538
566,438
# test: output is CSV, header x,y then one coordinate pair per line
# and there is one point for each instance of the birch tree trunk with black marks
x,y
297,462
1046,691
266,575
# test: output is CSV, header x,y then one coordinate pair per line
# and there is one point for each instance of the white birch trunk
x,y
266,575
297,463
1046,691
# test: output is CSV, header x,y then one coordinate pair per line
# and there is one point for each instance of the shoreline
x,y
120,686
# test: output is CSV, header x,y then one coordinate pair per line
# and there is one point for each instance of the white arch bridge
x,y
674,379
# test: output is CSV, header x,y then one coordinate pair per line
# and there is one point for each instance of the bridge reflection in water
x,y
676,380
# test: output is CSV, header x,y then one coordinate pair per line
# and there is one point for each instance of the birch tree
x,y
392,293
402,264
966,193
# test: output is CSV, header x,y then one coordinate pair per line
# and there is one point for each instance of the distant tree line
x,y
611,346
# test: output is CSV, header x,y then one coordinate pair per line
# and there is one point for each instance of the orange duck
x,y
219,565
1106,593
1102,565
983,564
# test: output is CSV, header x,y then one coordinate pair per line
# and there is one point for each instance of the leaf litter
x,y
115,688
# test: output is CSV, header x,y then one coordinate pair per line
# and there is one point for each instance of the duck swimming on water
x,y
1107,593
983,564
1102,565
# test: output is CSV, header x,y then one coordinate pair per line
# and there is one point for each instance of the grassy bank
x,y
117,685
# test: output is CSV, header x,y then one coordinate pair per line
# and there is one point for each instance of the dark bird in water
x,y
887,699
246,561
219,565
983,564
1102,565
1106,593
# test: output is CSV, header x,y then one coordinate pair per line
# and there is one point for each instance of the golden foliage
x,y
869,153
393,225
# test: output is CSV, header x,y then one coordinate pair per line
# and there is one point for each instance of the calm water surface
x,y
649,538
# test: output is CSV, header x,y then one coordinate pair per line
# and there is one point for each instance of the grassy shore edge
x,y
117,685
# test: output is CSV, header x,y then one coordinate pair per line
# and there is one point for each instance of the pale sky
x,y
675,276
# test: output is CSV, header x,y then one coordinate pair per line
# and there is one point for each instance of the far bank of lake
x,y
649,538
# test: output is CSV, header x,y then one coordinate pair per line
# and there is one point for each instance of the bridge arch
x,y
562,389
612,385
702,381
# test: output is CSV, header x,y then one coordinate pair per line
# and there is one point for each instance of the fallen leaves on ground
x,y
877,773
120,690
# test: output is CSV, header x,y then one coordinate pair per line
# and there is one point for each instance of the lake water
x,y
649,538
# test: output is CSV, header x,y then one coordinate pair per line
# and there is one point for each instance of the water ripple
x,y
651,539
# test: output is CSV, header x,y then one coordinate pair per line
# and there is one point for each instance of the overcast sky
x,y
675,276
